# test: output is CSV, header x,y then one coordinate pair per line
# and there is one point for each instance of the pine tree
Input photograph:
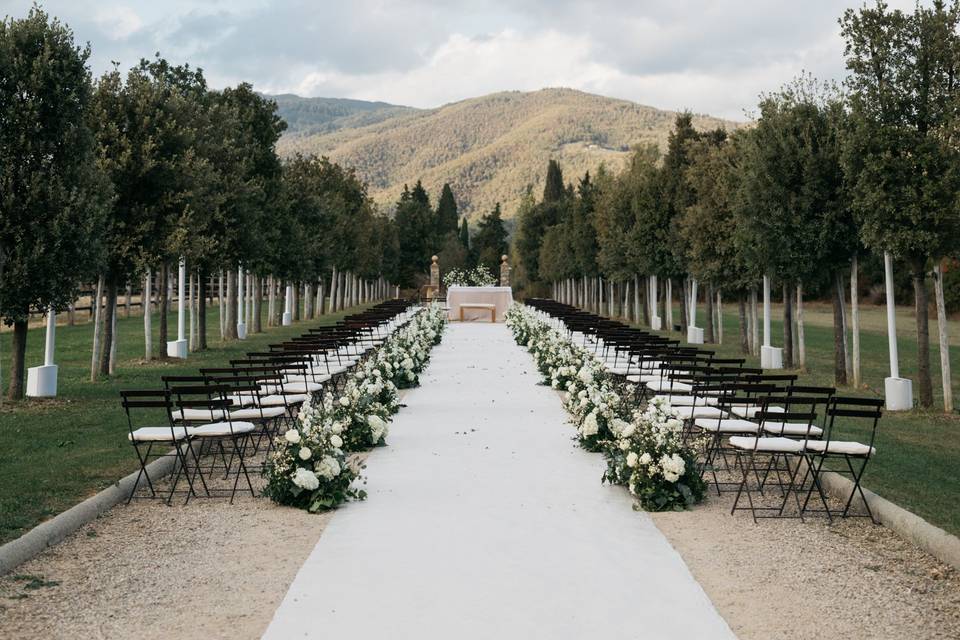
x,y
465,234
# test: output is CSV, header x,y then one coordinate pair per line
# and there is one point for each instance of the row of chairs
x,y
776,431
224,416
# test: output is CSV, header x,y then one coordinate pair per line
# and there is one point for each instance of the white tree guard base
x,y
42,381
898,393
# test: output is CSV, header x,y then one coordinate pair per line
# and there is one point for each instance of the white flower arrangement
x,y
479,276
645,451
308,467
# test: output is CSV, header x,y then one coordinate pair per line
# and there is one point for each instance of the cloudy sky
x,y
710,56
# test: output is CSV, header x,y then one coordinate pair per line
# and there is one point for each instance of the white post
x,y
287,301
42,381
655,321
146,306
855,320
178,348
694,333
668,304
899,391
241,307
770,357
191,343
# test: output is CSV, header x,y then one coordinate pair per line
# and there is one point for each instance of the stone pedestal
x,y
694,334
771,357
899,393
177,349
42,381
504,272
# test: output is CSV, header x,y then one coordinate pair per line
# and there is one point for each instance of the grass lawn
x,y
56,452
918,452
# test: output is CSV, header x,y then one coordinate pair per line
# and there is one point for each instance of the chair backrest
x,y
134,400
868,410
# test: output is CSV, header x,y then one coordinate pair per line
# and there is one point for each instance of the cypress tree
x,y
447,214
465,234
553,190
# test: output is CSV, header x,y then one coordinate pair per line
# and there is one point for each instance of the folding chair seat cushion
x,y
667,385
691,412
242,399
158,434
283,400
685,401
217,429
766,445
198,415
792,429
294,386
727,425
841,447
749,411
257,414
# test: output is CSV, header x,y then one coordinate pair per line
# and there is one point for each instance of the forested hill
x,y
488,148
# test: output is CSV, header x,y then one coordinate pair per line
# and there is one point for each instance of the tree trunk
x,y
744,329
848,365
97,326
295,301
320,296
839,329
754,323
147,311
924,382
943,339
333,291
855,321
668,305
231,322
202,310
126,300
72,314
114,339
109,309
719,312
164,292
221,307
709,335
787,327
308,302
685,303
17,360
801,342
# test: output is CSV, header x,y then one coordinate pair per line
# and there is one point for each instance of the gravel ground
x,y
205,570
792,579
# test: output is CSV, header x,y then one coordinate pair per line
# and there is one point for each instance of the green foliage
x,y
52,193
447,216
415,226
901,155
490,241
794,213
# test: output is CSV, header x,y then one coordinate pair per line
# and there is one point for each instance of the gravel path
x,y
205,570
810,580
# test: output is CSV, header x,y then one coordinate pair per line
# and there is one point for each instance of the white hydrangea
x,y
632,459
328,468
590,425
305,453
305,479
292,436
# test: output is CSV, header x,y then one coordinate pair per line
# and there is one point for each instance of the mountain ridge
x,y
489,148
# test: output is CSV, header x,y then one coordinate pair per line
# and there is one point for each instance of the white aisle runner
x,y
486,521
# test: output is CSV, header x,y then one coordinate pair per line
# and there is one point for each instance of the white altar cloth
x,y
501,297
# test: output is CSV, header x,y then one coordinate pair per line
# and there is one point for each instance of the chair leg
x,y
856,476
141,473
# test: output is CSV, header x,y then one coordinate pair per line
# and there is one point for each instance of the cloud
x,y
711,56
118,22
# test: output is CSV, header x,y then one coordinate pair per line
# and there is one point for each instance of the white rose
x,y
632,459
305,453
292,436
336,441
344,401
646,459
